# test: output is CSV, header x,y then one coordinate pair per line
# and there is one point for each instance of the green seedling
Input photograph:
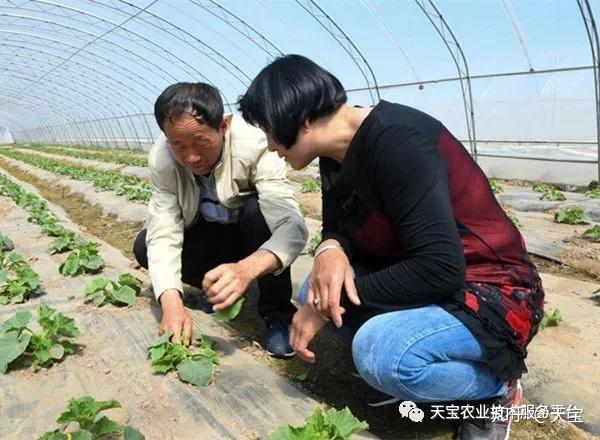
x,y
497,188
593,233
551,320
594,193
83,412
571,216
39,349
333,425
231,312
131,187
312,185
6,243
18,281
121,292
84,259
194,364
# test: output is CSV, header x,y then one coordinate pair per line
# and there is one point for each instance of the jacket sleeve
x,y
412,184
278,204
164,230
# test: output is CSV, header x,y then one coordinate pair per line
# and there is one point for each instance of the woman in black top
x,y
417,256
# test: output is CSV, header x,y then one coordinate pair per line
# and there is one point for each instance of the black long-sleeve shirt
x,y
420,224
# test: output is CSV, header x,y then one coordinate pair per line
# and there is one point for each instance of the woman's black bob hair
x,y
287,92
201,99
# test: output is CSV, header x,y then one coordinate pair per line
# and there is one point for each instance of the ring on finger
x,y
317,301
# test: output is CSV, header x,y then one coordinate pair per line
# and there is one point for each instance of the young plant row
x,y
84,257
96,148
132,187
109,156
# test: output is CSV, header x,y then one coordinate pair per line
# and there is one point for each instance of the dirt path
x,y
246,401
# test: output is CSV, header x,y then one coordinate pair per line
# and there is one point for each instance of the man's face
x,y
194,144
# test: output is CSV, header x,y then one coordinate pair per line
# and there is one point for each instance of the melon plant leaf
x,y
230,312
12,345
81,435
125,295
16,323
96,285
84,411
54,435
99,299
71,265
126,279
334,425
6,243
131,433
106,427
345,423
198,372
57,351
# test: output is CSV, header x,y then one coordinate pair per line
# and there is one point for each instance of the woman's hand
x,y
331,271
307,322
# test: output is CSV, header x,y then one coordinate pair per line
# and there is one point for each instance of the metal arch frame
x,y
343,40
210,55
293,30
93,57
35,110
144,62
79,65
88,43
592,33
76,90
162,49
246,29
52,92
432,13
79,73
76,80
391,34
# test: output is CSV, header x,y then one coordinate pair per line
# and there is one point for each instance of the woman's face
x,y
301,153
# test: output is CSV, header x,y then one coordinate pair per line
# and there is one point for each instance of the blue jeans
x,y
423,354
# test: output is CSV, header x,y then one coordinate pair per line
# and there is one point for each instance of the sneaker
x,y
486,429
278,335
375,398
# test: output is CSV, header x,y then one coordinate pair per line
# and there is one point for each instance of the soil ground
x,y
331,380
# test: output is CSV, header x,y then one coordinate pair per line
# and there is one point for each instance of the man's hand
x,y
175,317
224,284
331,271
307,322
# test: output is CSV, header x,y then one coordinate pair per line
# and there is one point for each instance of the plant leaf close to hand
x,y
194,364
333,425
230,312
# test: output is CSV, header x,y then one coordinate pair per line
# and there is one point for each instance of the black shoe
x,y
486,429
278,335
375,398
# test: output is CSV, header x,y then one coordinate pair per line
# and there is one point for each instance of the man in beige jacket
x,y
222,214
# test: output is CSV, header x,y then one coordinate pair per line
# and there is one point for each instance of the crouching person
x,y
222,214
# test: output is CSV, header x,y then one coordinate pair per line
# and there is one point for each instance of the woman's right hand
x,y
175,317
331,271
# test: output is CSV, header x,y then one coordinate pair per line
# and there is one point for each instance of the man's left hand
x,y
224,284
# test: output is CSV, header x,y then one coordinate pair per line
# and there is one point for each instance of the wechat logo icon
x,y
409,409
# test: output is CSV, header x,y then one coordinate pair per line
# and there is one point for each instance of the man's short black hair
x,y
287,92
202,100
